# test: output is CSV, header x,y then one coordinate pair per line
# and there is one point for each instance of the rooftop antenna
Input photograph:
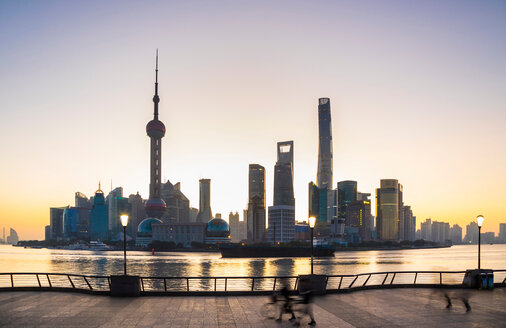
x,y
156,99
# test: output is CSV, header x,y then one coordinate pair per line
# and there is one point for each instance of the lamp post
x,y
312,221
124,223
479,219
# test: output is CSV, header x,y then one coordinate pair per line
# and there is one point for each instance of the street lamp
x,y
312,221
479,219
124,223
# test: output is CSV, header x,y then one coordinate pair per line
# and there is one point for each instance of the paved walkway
x,y
372,308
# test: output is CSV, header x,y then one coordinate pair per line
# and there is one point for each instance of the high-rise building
x,y
256,203
283,175
456,234
81,200
347,193
358,215
502,232
56,222
388,208
282,213
47,233
281,223
193,214
440,232
471,233
155,206
117,205
324,174
76,222
13,237
137,213
426,230
178,205
99,217
205,214
237,227
409,224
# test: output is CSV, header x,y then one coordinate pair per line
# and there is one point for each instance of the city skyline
x,y
422,110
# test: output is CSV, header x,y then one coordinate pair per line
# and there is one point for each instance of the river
x,y
456,258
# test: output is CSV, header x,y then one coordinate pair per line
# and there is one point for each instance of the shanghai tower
x,y
324,174
155,206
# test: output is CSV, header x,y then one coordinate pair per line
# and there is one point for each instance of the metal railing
x,y
245,285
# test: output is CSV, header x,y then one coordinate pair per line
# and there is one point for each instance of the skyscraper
x,y
56,222
456,234
116,206
137,213
81,200
347,193
255,219
155,206
388,205
282,214
502,232
178,205
324,174
205,214
99,217
283,175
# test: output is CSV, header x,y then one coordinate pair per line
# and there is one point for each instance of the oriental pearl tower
x,y
155,206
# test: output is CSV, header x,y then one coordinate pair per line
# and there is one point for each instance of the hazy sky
x,y
417,92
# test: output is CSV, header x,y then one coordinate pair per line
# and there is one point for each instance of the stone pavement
x,y
371,308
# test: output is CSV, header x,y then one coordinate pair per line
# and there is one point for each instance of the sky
x,y
417,93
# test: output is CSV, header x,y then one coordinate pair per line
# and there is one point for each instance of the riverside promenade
x,y
403,307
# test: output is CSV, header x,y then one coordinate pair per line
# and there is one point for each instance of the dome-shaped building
x,y
145,232
217,232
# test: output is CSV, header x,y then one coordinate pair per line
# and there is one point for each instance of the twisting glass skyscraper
x,y
155,206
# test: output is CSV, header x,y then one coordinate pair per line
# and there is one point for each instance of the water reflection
x,y
16,259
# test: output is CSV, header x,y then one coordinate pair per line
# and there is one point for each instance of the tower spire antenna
x,y
156,99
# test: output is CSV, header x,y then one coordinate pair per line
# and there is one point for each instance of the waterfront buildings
x,y
116,206
13,237
440,232
256,204
281,223
282,213
217,232
178,205
302,231
56,223
471,233
425,230
409,224
347,193
137,213
81,200
205,213
358,215
155,129
99,217
456,234
181,233
502,232
388,209
324,173
145,232
238,228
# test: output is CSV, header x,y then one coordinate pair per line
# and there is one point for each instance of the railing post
x,y
91,288
214,284
165,284
252,284
109,282
226,284
440,278
12,281
142,283
356,277
365,282
73,287
392,281
274,287
416,275
49,281
296,284
340,281
38,280
384,280
187,284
